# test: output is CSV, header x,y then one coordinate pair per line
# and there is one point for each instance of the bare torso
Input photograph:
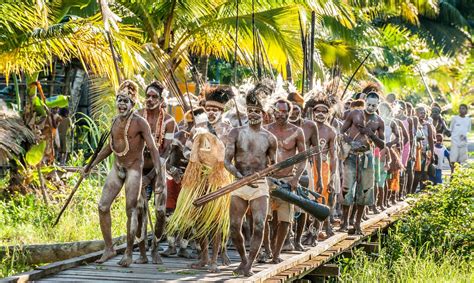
x,y
136,143
252,149
287,138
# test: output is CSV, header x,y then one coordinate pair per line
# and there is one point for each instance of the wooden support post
x,y
331,270
370,248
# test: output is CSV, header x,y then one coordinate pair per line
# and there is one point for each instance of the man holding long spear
x,y
129,134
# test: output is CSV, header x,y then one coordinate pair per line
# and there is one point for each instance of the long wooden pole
x,y
101,143
298,158
426,84
311,51
355,72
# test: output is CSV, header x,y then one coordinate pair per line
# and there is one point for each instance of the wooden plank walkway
x,y
295,264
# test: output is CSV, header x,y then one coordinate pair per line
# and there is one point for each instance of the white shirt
x,y
459,127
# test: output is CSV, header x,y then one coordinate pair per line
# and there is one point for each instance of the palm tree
x,y
33,33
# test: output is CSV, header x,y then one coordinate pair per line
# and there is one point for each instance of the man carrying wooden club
x,y
129,134
249,149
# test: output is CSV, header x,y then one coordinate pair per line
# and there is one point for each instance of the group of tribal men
x,y
373,151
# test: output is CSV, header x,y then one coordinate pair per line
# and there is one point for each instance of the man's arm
x,y
230,153
377,137
332,159
395,132
155,155
300,144
103,154
168,138
272,149
318,158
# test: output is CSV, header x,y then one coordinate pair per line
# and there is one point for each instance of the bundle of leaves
x,y
440,222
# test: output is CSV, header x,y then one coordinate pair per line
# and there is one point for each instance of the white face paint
x,y
153,99
214,114
371,105
124,105
320,113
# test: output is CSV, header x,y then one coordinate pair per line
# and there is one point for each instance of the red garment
x,y
173,190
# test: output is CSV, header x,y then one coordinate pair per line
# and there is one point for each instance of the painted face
x,y
124,105
282,112
214,114
254,115
421,114
371,105
463,110
295,114
153,98
435,113
320,113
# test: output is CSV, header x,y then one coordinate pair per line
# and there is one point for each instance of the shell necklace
x,y
159,129
125,132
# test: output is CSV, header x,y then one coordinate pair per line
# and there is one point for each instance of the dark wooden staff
x,y
101,143
300,157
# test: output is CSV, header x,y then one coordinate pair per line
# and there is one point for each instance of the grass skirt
x,y
210,220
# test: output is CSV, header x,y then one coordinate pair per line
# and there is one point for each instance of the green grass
x,y
433,243
411,267
26,219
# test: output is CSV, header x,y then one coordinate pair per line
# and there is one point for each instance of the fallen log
x,y
36,254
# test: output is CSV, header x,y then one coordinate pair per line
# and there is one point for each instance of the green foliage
x,y
35,154
25,219
441,220
433,243
412,267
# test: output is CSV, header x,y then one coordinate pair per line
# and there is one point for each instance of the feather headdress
x,y
218,96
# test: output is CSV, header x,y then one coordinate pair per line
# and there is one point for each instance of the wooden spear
x,y
101,143
298,158
355,72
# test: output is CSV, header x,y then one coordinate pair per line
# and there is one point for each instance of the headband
x,y
213,103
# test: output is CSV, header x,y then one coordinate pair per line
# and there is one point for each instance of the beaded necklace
x,y
125,132
159,129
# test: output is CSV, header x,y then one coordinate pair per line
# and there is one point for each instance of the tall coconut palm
x,y
33,33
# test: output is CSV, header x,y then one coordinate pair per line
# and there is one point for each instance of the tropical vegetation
x,y
421,50
434,242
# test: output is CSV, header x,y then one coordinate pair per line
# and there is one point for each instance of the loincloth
x,y
284,210
248,193
325,170
359,179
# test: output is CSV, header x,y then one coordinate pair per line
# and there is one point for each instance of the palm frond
x,y
13,135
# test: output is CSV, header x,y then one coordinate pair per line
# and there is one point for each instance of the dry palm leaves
x,y
13,133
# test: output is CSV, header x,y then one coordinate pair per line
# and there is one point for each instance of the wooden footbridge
x,y
297,266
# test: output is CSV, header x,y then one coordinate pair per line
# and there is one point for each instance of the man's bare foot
x,y
240,269
198,265
184,253
375,210
329,232
141,260
169,252
108,254
343,228
213,268
288,247
276,260
321,236
125,261
357,230
248,271
300,247
155,257
225,259
263,257
365,217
